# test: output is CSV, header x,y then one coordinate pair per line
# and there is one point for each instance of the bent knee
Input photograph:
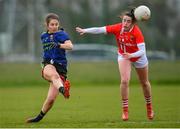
x,y
51,77
54,76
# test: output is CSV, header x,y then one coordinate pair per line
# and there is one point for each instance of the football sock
x,y
61,89
148,102
37,118
148,99
125,105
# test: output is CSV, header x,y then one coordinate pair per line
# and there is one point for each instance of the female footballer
x,y
131,50
55,42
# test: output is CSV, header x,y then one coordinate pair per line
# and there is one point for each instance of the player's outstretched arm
x,y
93,30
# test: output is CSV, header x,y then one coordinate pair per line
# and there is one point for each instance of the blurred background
x,y
22,22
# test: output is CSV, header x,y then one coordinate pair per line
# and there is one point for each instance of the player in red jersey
x,y
131,50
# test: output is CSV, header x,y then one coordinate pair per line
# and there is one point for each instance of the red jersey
x,y
126,41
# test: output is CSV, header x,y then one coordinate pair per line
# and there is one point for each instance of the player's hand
x,y
126,55
80,30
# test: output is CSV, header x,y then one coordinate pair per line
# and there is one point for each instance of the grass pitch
x,y
89,106
95,99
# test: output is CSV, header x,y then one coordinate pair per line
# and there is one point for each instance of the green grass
x,y
89,106
85,73
95,99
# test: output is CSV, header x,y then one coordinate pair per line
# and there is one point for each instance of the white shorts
x,y
140,63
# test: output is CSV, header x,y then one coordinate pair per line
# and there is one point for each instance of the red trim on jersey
x,y
126,41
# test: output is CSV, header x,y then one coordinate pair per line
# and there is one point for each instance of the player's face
x,y
127,22
53,26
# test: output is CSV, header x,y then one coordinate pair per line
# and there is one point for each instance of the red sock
x,y
125,105
148,99
148,102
